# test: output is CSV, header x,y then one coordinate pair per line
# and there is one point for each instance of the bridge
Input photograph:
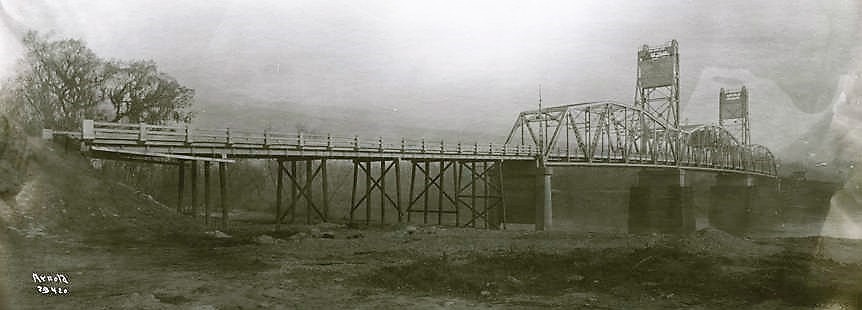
x,y
474,183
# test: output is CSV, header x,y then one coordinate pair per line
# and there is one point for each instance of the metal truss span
x,y
607,133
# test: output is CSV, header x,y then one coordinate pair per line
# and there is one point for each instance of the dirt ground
x,y
117,248
437,268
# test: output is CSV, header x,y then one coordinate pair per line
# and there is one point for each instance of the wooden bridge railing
x,y
146,134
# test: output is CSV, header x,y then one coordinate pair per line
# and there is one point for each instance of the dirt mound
x,y
711,241
63,198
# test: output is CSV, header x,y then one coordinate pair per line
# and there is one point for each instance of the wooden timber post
x,y
353,193
427,173
473,177
412,185
180,185
293,192
222,176
307,189
440,191
398,188
194,166
368,192
382,187
207,192
325,189
278,193
457,190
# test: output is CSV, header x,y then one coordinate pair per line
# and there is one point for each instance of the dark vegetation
x,y
61,82
659,270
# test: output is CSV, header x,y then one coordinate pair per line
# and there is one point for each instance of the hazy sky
x,y
469,65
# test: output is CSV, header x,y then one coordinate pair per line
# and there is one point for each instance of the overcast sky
x,y
469,65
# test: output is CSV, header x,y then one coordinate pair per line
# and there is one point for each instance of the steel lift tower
x,y
733,113
658,81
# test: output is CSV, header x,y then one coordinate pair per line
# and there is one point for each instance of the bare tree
x,y
138,92
60,85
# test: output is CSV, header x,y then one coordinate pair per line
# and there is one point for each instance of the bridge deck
x,y
109,139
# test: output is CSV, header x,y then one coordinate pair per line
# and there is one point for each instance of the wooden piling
x,y
398,188
206,192
181,186
194,166
382,187
307,190
222,176
353,193
368,192
278,192
324,186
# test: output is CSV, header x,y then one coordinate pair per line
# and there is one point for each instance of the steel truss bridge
x,y
463,182
606,133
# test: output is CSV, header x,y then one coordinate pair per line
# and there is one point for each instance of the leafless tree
x,y
138,92
60,84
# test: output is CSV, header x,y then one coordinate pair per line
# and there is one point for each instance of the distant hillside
x,y
368,122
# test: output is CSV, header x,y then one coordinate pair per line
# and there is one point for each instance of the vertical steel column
x,y
181,185
568,143
206,192
194,189
523,123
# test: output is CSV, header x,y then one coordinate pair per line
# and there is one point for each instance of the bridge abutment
x,y
661,202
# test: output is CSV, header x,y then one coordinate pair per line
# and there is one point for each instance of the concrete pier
x,y
544,201
662,202
731,200
738,202
527,191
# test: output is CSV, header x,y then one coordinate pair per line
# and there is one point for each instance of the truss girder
x,y
607,131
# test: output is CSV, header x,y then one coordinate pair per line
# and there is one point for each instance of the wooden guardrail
x,y
103,133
